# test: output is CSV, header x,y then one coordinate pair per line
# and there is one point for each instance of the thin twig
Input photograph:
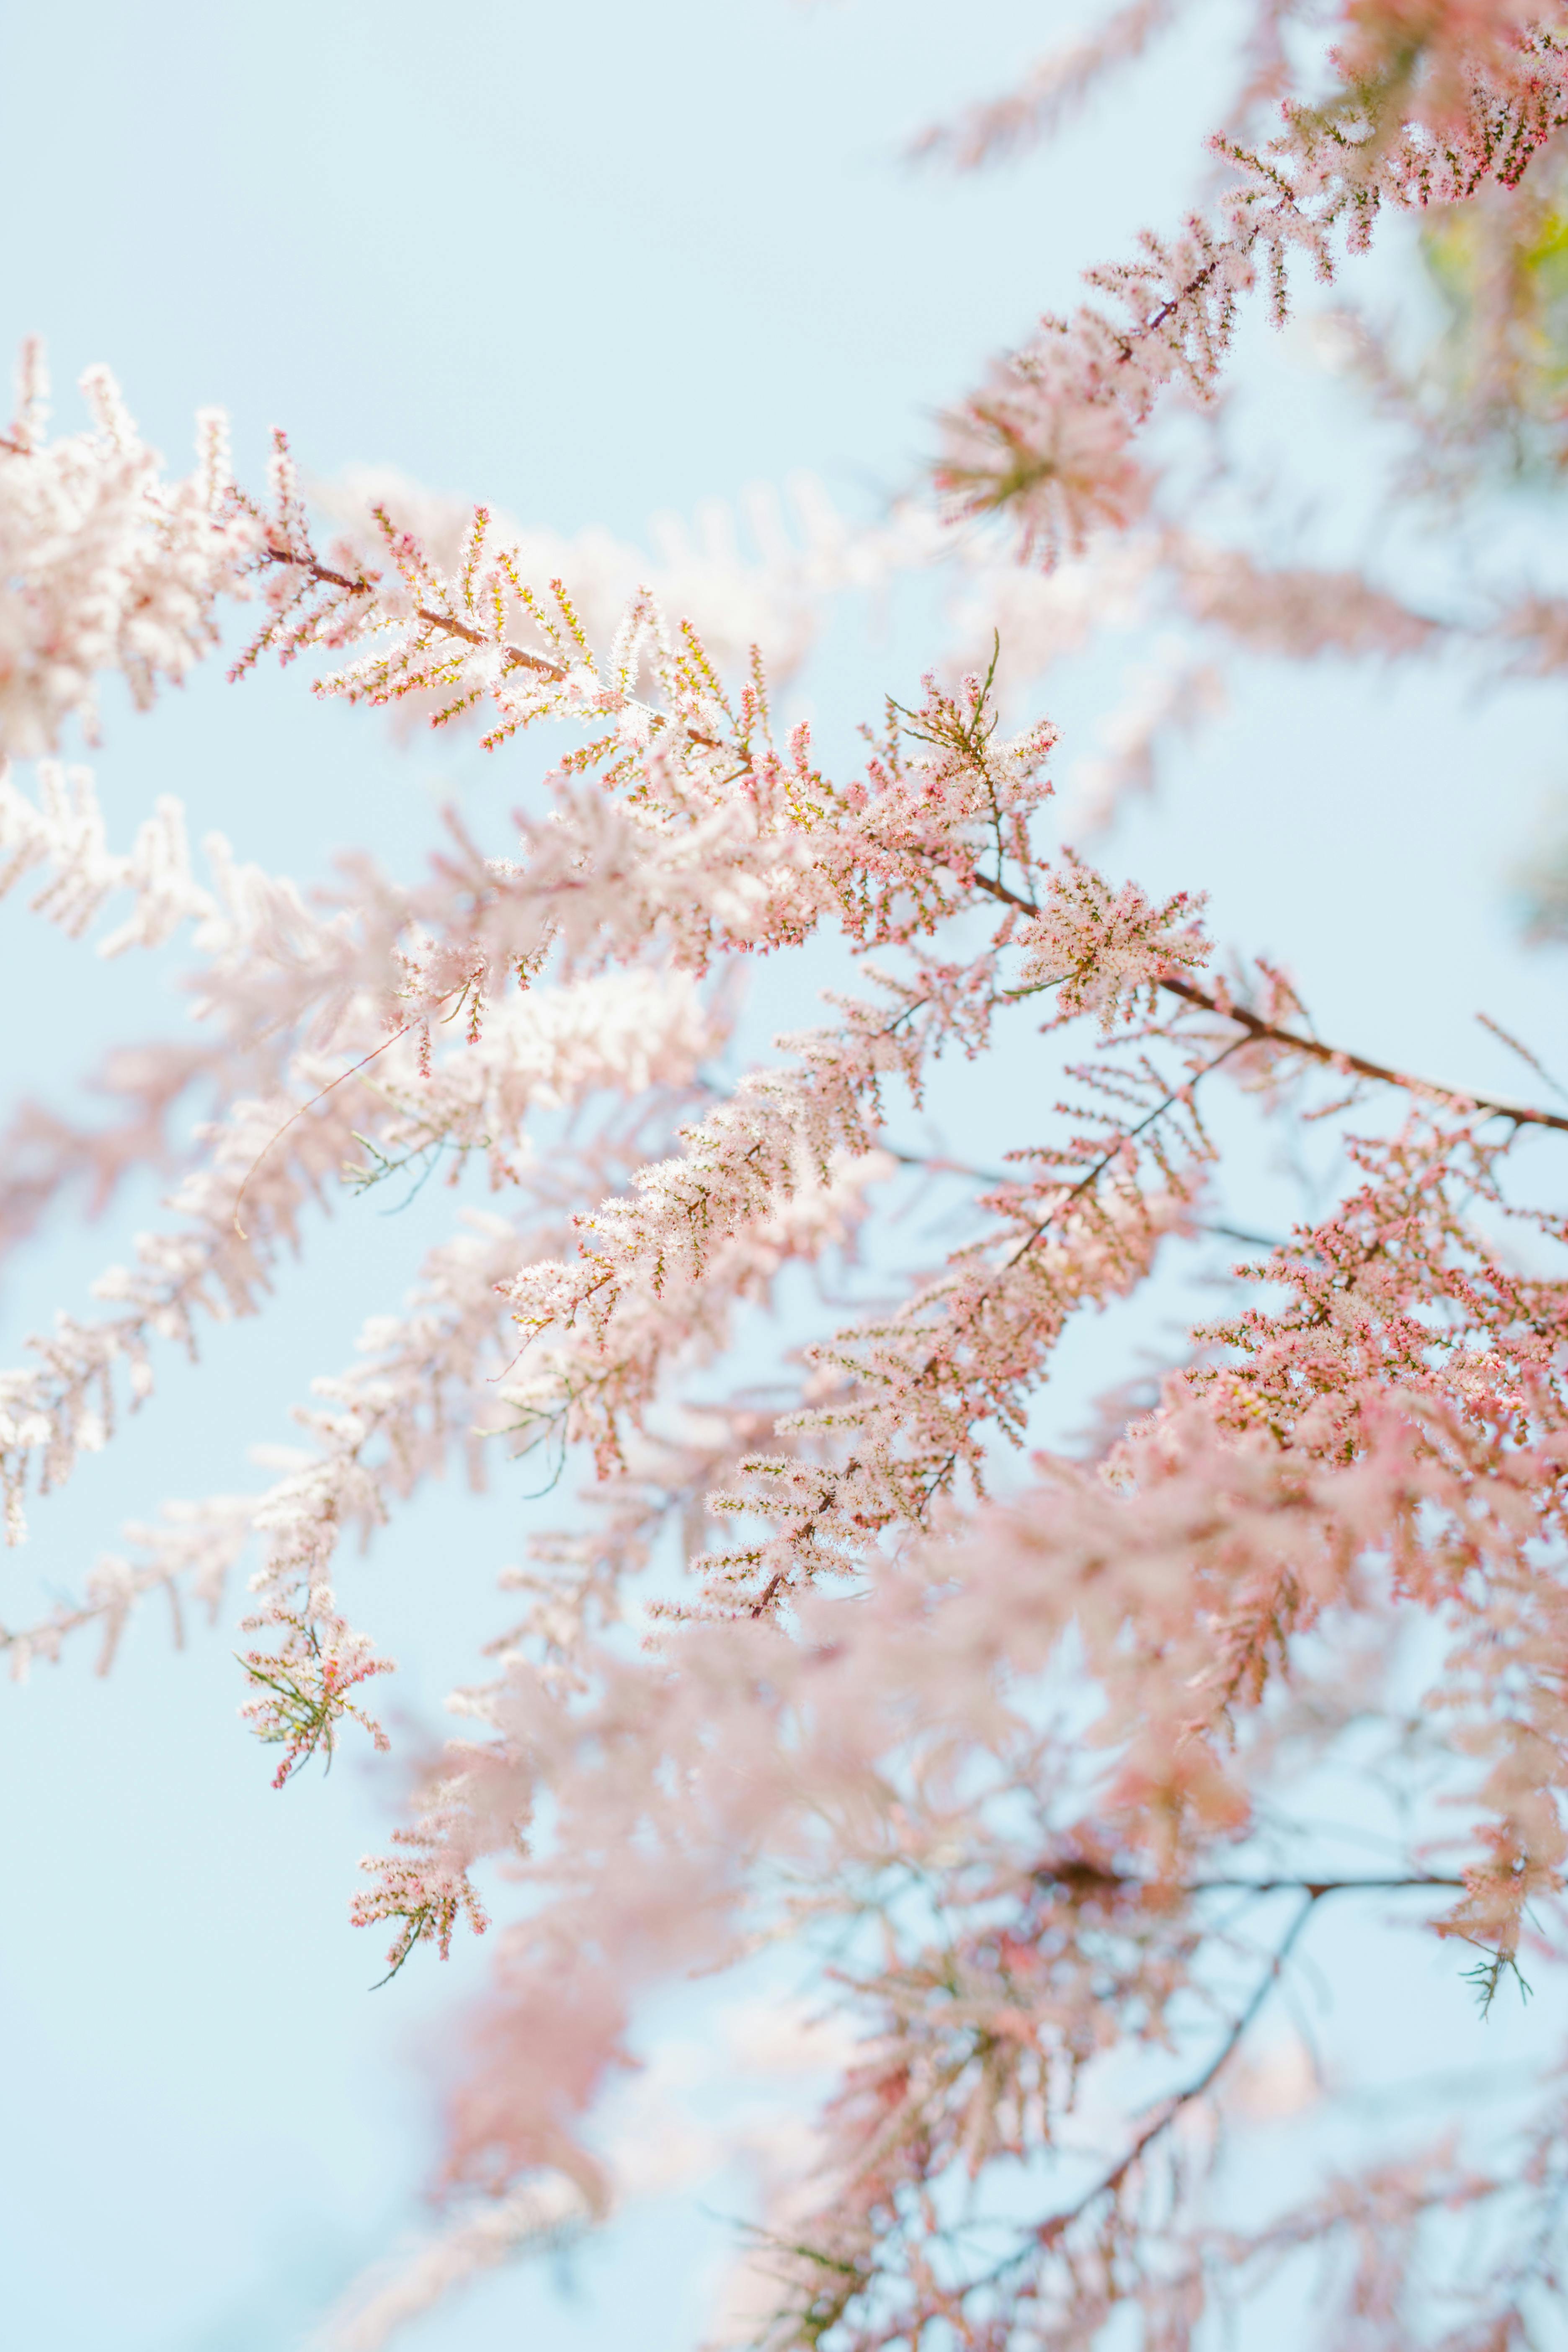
x,y
330,1087
1049,2230
1313,1891
1113,1151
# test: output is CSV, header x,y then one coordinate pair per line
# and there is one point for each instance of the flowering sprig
x,y
302,1687
1107,952
424,1888
1048,439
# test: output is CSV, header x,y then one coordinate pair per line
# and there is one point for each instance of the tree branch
x,y
1501,1106
1084,1876
324,573
1331,1056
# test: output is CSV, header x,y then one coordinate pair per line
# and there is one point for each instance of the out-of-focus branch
x,y
1334,1057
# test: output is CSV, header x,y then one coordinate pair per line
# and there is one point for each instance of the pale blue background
x,y
589,263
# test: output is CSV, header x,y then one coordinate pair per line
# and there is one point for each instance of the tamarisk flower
x,y
103,564
302,1686
1107,952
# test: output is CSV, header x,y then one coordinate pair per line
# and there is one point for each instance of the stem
x,y
1525,1113
516,658
1332,1056
1130,339
1092,1175
1085,1876
938,1164
330,1087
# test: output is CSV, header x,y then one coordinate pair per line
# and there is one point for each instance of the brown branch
x,y
1065,1200
1087,1876
1130,337
1255,1027
516,658
1091,1176
1318,1887
324,573
1500,1105
1331,1056
938,1164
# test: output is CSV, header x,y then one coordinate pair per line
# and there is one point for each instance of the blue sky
x,y
589,263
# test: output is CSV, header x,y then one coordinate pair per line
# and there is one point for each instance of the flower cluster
x,y
1104,951
103,564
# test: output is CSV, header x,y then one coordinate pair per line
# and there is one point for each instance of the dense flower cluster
x,y
1027,1755
103,564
